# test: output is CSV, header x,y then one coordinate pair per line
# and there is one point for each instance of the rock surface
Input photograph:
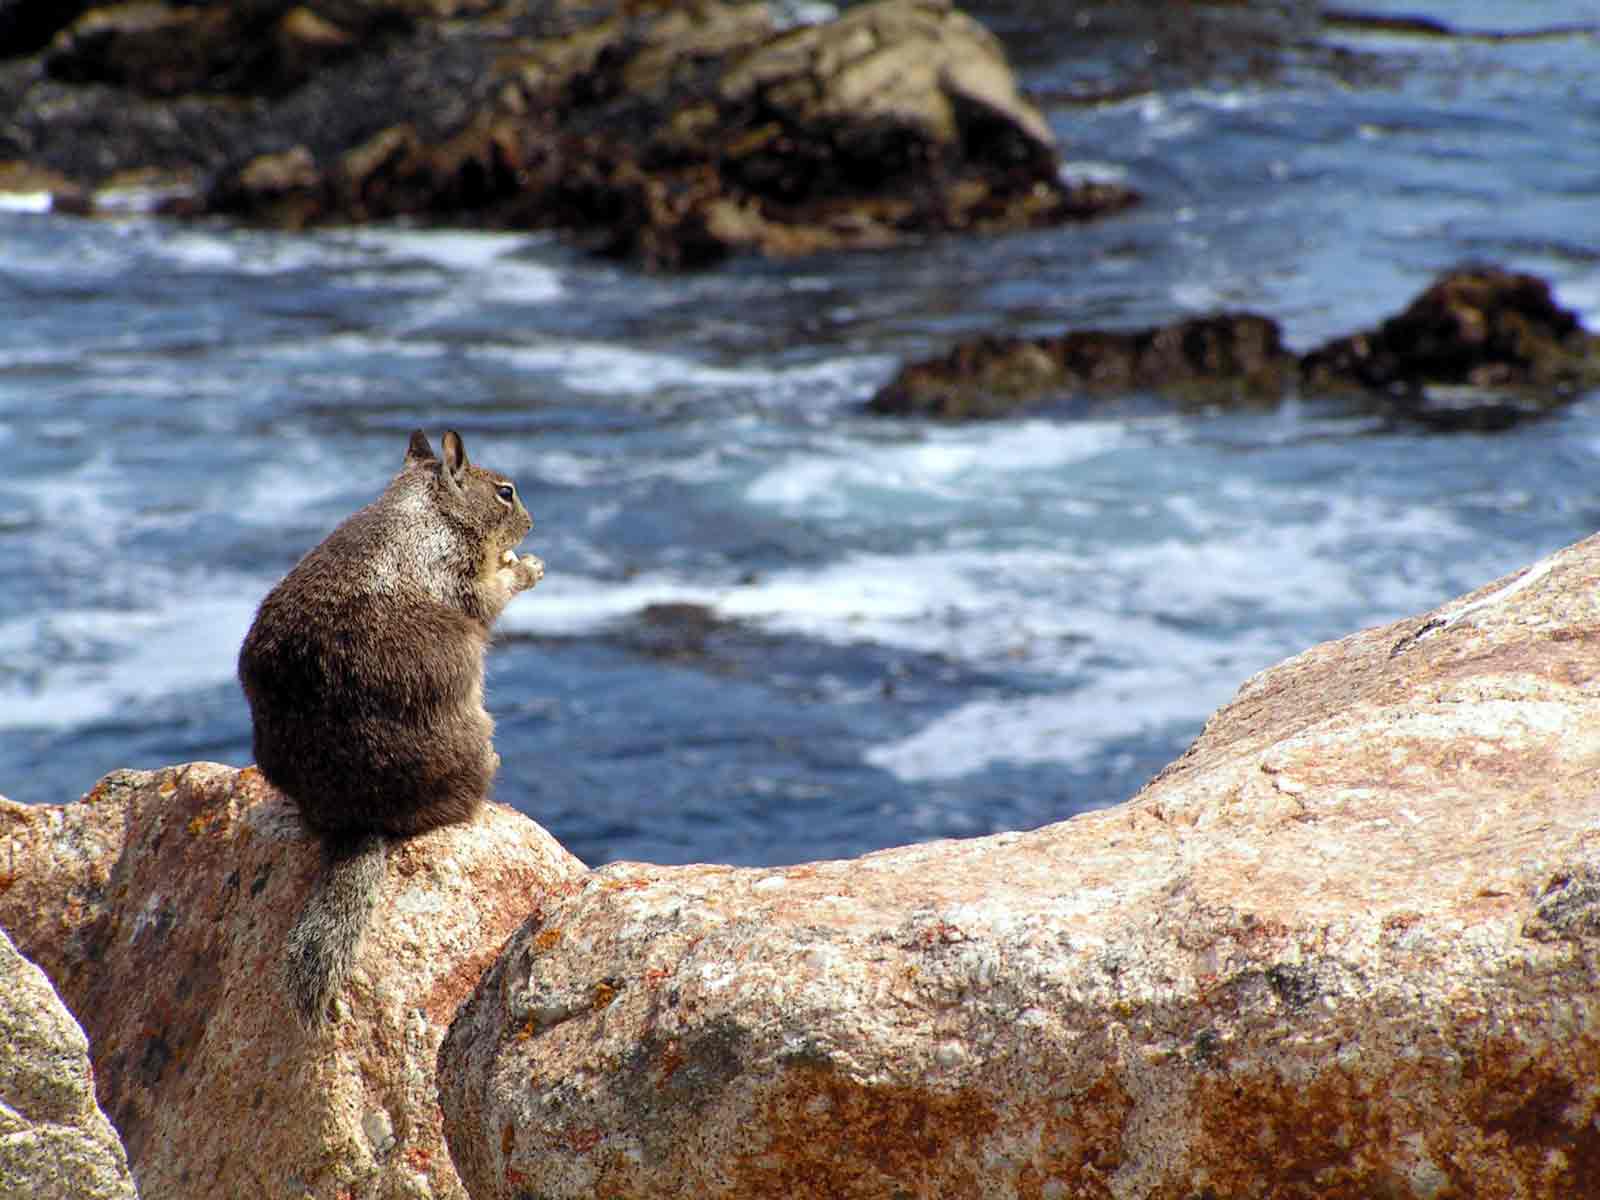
x,y
1471,341
159,905
55,1144
673,133
1481,348
1230,359
1347,946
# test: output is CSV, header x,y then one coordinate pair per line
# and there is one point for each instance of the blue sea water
x,y
909,630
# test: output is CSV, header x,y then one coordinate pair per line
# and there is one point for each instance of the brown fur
x,y
364,674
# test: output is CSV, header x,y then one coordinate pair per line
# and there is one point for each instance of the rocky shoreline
x,y
672,135
1482,348
1348,943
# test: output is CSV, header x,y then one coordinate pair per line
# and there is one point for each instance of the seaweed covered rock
x,y
1478,348
674,134
1481,348
1230,358
56,1144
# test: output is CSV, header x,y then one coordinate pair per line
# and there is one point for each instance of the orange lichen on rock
x,y
1347,946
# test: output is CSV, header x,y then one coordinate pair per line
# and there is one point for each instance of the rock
x,y
1230,359
1484,328
285,187
673,134
159,905
899,117
1431,27
49,189
1482,348
27,26
55,1144
919,68
149,47
1347,945
676,631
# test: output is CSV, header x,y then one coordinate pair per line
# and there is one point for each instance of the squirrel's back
x,y
364,667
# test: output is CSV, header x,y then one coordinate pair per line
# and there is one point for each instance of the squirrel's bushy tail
x,y
322,945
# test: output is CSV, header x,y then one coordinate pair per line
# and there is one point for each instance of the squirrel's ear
x,y
455,459
419,451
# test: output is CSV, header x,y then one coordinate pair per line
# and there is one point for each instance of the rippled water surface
x,y
773,628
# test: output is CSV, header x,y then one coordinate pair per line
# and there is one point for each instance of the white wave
x,y
1199,296
1228,99
242,252
139,201
949,593
453,249
853,602
609,369
299,481
80,666
95,251
606,368
473,267
937,464
26,202
485,267
1158,676
1165,121
1069,729
1089,170
1147,677
1582,295
82,504
571,605
359,346
933,602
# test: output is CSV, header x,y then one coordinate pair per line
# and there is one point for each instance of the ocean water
x,y
774,628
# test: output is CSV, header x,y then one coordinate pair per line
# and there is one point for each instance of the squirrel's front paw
x,y
522,572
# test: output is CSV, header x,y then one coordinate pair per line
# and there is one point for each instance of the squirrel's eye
x,y
506,492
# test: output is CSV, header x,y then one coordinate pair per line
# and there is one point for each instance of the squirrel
x,y
363,670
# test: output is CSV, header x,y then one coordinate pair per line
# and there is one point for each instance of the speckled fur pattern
x,y
364,673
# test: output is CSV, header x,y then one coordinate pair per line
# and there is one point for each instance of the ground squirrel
x,y
364,673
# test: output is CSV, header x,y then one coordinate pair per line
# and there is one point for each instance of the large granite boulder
x,y
1480,348
55,1143
159,904
1347,946
673,133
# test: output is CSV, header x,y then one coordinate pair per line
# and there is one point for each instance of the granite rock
x,y
1347,946
159,904
55,1143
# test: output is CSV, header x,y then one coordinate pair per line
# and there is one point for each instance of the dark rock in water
x,y
26,26
1482,327
678,631
1481,349
1231,359
1468,409
673,134
23,179
154,49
